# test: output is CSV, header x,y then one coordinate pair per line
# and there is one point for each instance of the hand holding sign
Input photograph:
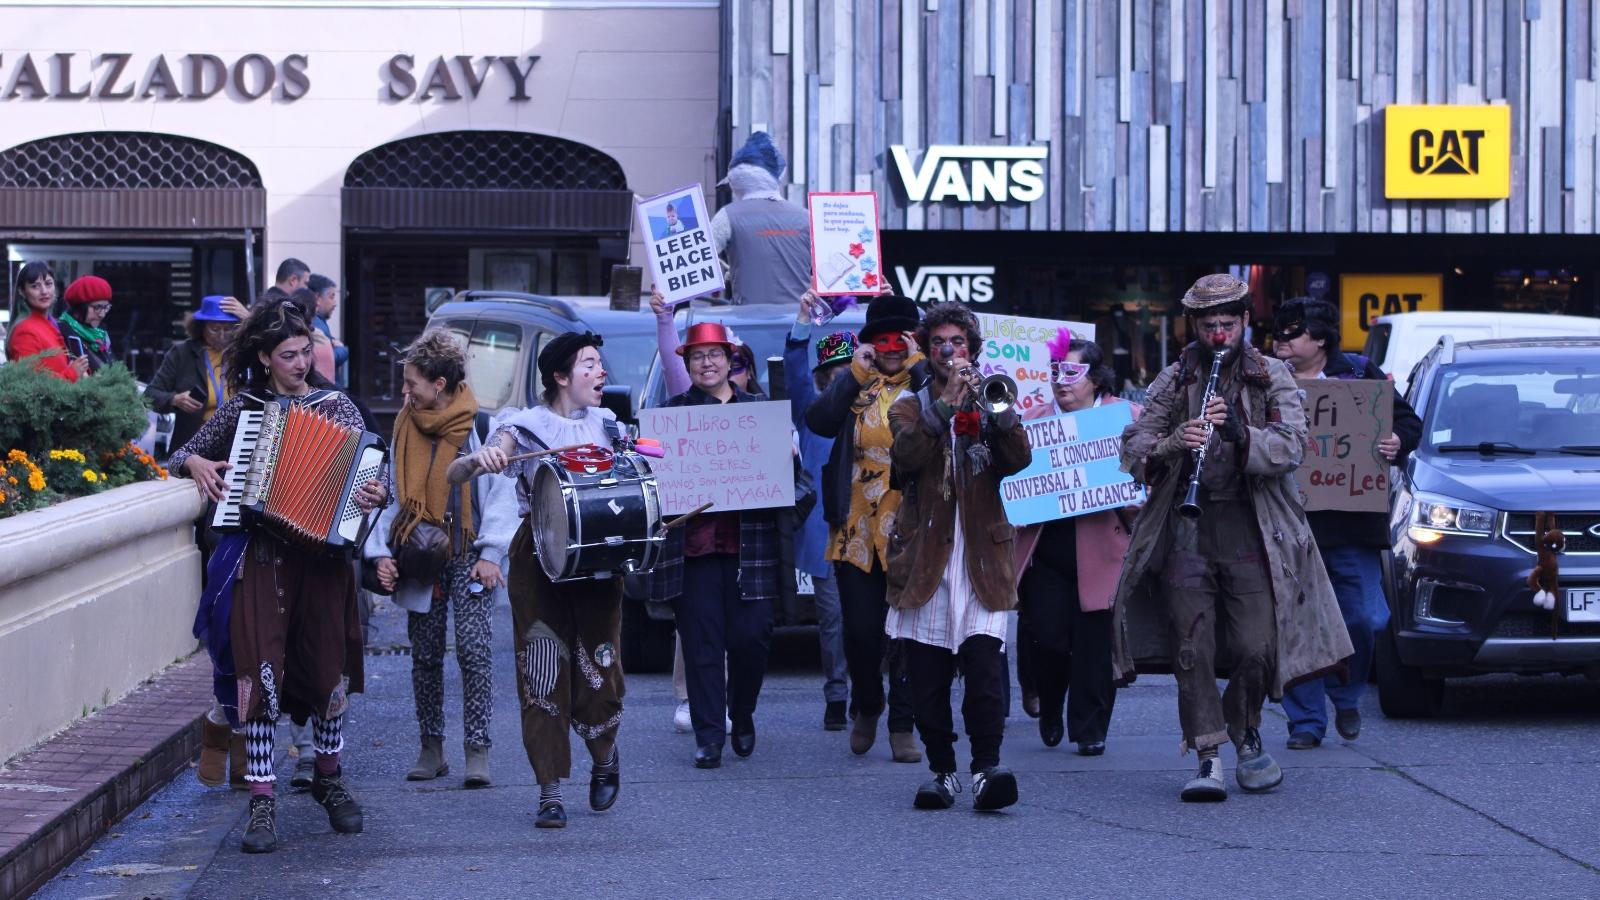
x,y
846,256
683,258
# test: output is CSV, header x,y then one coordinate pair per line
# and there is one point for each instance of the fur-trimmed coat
x,y
1311,636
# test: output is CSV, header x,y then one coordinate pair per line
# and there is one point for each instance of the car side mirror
x,y
619,399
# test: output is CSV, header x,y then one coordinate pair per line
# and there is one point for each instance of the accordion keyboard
x,y
229,512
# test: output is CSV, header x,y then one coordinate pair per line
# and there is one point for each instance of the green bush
x,y
40,412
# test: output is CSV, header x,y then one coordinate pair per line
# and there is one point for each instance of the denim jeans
x,y
830,634
1358,584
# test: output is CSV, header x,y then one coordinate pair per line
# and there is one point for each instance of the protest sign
x,y
677,240
1015,346
1342,468
1075,468
734,456
846,257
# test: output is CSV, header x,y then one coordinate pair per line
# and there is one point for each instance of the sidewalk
x,y
59,798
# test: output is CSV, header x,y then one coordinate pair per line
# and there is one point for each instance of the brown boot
x,y
863,733
904,747
213,770
237,763
430,761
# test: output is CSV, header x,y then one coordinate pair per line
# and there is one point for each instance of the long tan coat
x,y
924,535
1312,640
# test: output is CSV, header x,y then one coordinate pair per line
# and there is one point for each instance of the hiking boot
x,y
1207,785
477,767
430,761
214,738
940,793
993,789
904,747
261,835
343,813
1257,772
864,732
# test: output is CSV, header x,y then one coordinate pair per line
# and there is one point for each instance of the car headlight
x,y
1434,516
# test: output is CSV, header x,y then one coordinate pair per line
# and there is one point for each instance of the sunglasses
x,y
889,343
1068,373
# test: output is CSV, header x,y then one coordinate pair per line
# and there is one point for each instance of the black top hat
x,y
888,313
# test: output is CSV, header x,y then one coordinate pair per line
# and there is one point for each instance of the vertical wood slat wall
x,y
1174,115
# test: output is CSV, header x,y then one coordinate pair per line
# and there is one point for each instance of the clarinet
x,y
1190,507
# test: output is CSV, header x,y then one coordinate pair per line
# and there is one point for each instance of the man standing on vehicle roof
x,y
766,239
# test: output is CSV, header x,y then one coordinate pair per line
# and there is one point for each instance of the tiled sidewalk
x,y
56,799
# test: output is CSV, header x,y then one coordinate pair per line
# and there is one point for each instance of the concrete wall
x,y
96,595
639,83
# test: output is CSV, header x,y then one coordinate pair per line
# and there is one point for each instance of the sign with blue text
x,y
1076,468
1019,347
677,239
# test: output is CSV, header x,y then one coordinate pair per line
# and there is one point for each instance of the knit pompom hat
x,y
760,151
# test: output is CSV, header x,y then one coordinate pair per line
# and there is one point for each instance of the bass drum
x,y
595,514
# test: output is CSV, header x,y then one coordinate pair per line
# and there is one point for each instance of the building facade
x,y
1089,158
184,149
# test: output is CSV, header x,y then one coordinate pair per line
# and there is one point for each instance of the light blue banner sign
x,y
1075,468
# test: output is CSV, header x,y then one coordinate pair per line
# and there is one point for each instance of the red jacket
x,y
38,334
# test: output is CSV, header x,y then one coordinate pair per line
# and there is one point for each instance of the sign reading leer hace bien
x,y
251,76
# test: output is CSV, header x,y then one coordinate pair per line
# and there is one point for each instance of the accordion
x,y
298,470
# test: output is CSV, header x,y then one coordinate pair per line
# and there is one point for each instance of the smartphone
x,y
75,345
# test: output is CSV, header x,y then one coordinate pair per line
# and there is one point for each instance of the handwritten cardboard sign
x,y
1075,468
736,456
846,256
1015,346
1342,468
677,240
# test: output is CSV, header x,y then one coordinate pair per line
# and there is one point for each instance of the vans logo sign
x,y
972,174
938,284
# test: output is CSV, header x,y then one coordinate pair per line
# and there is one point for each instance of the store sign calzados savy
x,y
1363,298
938,284
998,174
1447,152
201,76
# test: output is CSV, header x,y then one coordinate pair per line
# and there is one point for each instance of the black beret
x,y
557,356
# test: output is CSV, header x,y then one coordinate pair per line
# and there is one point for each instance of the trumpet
x,y
1190,507
997,394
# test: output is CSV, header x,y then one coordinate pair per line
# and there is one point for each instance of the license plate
x,y
1583,605
803,585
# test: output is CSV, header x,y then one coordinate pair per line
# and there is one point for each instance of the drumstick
x,y
521,456
686,516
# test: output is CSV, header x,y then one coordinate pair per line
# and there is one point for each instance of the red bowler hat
x,y
706,333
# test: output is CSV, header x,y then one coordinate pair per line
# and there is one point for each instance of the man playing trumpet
x,y
1244,570
950,558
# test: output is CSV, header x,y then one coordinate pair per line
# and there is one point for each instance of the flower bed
x,y
63,440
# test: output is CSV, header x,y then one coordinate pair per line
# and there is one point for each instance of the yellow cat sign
x,y
1447,152
1363,298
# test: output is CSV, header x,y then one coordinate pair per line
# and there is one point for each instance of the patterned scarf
x,y
864,534
94,337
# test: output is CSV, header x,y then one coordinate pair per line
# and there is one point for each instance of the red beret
x,y
88,289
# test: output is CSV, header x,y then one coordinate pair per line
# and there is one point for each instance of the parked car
x,y
1511,428
1396,342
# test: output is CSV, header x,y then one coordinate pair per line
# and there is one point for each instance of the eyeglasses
x,y
1067,373
101,308
957,342
704,356
1222,326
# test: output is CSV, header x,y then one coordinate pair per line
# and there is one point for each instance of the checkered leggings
x,y
327,739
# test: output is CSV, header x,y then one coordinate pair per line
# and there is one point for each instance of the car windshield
x,y
1541,406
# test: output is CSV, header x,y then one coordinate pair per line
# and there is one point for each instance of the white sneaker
x,y
680,719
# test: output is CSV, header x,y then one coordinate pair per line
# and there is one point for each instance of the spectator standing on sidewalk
x,y
37,333
88,303
439,423
192,380
327,293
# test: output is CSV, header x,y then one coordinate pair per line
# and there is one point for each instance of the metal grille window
x,y
115,159
486,160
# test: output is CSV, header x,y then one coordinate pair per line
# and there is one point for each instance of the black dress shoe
x,y
708,757
833,718
1091,748
1348,721
1051,729
1303,740
744,737
552,814
305,772
604,786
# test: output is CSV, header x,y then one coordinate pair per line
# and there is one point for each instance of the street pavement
x,y
1496,798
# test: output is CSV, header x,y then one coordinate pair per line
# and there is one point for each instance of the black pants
x,y
982,661
717,624
1067,648
863,602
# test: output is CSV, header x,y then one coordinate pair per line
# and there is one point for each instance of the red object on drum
x,y
587,460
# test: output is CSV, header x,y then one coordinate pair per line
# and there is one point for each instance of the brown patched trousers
x,y
569,668
1216,567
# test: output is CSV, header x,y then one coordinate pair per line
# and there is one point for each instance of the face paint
x,y
1065,373
889,343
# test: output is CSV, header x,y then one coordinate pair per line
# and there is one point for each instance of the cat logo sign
x,y
1447,152
1363,298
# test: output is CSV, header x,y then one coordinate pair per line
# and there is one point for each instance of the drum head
x,y
547,508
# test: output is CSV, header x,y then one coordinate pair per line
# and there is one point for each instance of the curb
x,y
60,797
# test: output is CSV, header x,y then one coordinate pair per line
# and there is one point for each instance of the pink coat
x,y
1102,542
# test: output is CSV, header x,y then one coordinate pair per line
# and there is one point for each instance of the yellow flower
x,y
89,476
12,479
17,456
36,481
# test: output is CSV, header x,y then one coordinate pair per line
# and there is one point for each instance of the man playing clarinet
x,y
1221,553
